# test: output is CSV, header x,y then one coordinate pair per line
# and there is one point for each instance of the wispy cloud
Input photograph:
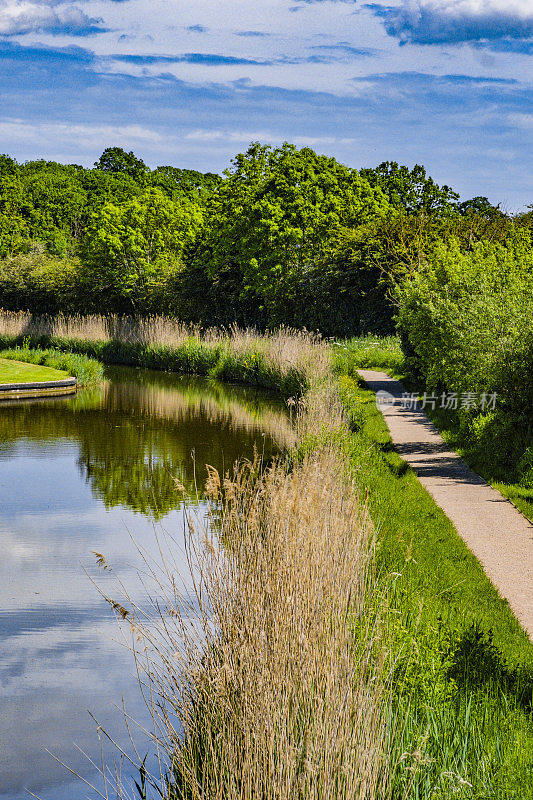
x,y
346,50
250,34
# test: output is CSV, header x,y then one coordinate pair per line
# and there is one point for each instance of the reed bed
x,y
267,683
285,359
268,680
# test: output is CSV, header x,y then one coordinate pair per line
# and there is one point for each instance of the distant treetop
x,y
115,159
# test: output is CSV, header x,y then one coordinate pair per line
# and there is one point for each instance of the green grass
x,y
462,668
367,352
19,372
52,364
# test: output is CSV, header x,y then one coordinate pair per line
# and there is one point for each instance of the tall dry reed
x,y
282,701
268,683
283,350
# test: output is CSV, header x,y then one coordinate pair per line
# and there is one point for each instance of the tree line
x,y
284,236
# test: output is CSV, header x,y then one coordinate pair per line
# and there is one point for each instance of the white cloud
x,y
84,135
21,17
522,120
439,21
244,137
478,7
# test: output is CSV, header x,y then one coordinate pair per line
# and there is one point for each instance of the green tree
x,y
56,205
115,159
412,191
176,182
130,249
272,223
14,230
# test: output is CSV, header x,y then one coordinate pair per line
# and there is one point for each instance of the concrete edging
x,y
38,389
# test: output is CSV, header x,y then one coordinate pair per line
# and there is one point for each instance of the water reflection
x,y
95,472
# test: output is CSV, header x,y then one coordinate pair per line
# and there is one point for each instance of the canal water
x,y
96,473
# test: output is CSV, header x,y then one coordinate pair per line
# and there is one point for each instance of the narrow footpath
x,y
492,527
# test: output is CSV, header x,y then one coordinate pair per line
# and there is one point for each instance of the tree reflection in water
x,y
144,436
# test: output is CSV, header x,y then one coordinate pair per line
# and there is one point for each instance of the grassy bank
x,y
51,365
463,666
12,371
278,361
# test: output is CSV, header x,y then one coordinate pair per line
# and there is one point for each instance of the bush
x,y
467,319
466,322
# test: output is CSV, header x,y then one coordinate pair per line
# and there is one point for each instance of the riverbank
x,y
444,666
277,362
26,367
18,372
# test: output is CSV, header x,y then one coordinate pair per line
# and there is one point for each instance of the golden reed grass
x,y
284,349
268,682
264,682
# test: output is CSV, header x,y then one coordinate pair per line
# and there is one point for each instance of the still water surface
x,y
94,473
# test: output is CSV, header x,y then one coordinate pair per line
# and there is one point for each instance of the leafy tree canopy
x,y
188,181
276,214
115,159
129,248
411,191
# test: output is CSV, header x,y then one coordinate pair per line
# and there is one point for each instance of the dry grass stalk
x,y
280,695
266,683
283,349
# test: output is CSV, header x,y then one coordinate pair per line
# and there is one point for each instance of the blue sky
x,y
445,83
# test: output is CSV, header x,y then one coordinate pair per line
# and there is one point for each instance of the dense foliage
x,y
285,236
467,324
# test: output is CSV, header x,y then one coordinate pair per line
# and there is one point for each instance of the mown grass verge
x,y
463,667
368,352
13,371
58,364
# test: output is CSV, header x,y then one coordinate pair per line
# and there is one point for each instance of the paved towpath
x,y
492,527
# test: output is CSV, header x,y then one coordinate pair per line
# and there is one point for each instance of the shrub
x,y
467,321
